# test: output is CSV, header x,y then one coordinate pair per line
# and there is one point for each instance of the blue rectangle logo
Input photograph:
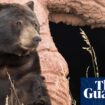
x,y
92,91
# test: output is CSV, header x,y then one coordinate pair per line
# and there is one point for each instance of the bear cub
x,y
19,38
31,90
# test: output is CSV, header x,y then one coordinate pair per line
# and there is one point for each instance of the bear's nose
x,y
36,39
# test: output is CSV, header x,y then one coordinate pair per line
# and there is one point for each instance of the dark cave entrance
x,y
69,43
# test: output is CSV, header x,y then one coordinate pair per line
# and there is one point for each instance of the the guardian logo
x,y
99,92
92,91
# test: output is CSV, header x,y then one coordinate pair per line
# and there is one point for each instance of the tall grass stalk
x,y
91,51
14,90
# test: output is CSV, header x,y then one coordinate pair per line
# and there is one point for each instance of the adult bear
x,y
19,37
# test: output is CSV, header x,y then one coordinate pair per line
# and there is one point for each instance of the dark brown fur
x,y
18,66
31,90
19,29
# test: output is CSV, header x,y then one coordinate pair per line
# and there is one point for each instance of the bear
x,y
19,38
30,90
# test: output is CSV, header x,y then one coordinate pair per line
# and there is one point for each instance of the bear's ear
x,y
30,4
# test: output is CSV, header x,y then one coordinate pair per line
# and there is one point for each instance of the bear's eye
x,y
37,27
19,22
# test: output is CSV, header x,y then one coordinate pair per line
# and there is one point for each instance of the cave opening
x,y
69,42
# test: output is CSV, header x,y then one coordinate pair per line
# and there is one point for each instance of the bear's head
x,y
19,29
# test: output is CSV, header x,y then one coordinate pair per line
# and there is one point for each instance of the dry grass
x,y
6,101
91,51
14,90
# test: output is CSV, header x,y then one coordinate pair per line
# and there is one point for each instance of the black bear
x,y
30,90
19,37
